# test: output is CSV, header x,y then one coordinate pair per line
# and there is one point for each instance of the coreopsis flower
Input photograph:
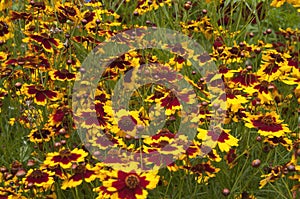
x,y
178,62
161,139
3,56
39,93
274,64
126,123
266,91
67,11
81,172
6,31
234,99
204,171
274,174
105,140
41,135
127,185
62,75
268,124
166,99
57,170
202,25
65,157
101,119
145,6
244,78
39,178
219,137
44,40
284,141
30,61
58,115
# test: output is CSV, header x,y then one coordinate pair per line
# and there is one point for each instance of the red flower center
x,y
80,169
37,174
65,153
126,123
132,181
3,28
267,120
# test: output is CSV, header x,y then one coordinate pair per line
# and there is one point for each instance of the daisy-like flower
x,y
67,11
169,100
235,99
45,40
284,141
204,171
40,94
274,65
129,185
126,123
65,157
58,115
62,75
6,31
101,119
264,93
81,172
39,178
30,61
274,174
41,135
268,124
145,6
244,77
220,137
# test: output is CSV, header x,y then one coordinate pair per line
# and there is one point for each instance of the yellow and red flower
x,y
81,172
268,124
219,137
6,31
65,157
39,93
39,178
41,135
62,75
45,40
204,171
129,185
126,123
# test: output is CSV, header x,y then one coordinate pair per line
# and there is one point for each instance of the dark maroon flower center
x,y
268,120
41,134
37,174
3,28
132,181
127,123
80,169
65,153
